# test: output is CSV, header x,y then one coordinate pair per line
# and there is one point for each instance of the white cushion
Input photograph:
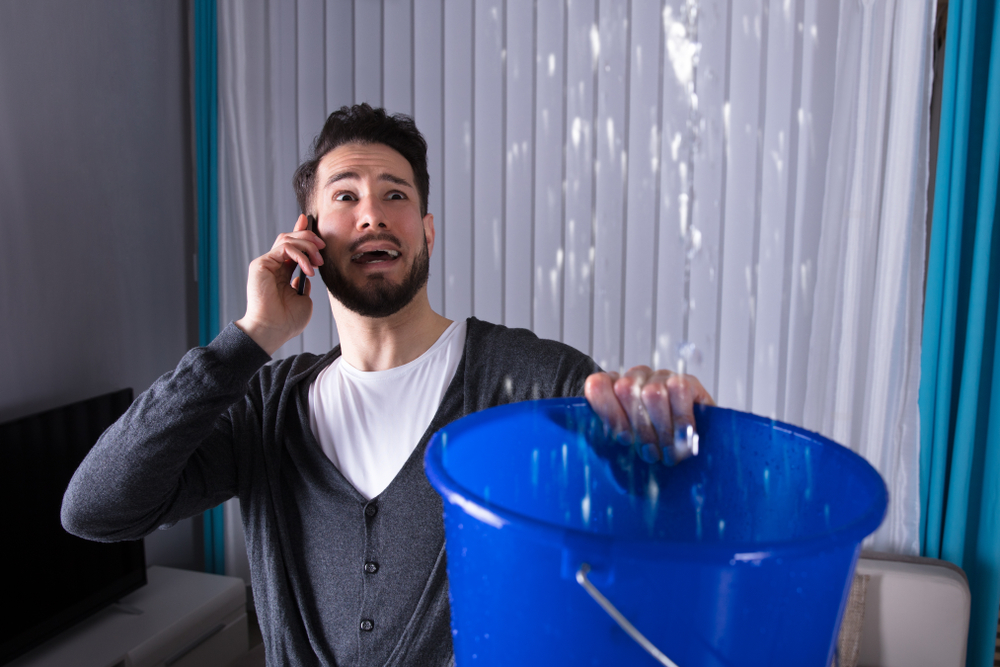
x,y
916,612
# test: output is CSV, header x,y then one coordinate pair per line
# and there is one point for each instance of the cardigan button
x,y
370,511
371,567
367,624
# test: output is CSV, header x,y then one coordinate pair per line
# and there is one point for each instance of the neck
x,y
378,344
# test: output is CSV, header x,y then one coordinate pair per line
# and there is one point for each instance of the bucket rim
x,y
498,516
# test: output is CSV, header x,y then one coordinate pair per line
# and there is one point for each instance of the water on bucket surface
x,y
760,494
741,555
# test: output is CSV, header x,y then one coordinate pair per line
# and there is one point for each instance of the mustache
x,y
379,236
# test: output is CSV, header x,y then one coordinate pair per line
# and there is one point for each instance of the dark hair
x,y
361,124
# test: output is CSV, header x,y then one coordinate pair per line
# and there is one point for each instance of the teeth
x,y
391,253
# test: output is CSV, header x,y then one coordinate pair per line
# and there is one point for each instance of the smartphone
x,y
302,276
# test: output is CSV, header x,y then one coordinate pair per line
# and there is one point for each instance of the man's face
x,y
378,248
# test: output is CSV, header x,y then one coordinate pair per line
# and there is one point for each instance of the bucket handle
x,y
581,578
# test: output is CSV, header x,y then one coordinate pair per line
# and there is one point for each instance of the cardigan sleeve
x,y
171,455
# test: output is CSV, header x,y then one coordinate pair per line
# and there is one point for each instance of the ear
x,y
429,232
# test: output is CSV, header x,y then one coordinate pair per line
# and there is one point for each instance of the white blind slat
x,y
428,113
776,166
397,63
610,171
581,74
738,265
488,193
519,160
643,168
458,136
368,52
710,162
339,45
550,134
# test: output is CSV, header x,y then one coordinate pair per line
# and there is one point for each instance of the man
x,y
344,533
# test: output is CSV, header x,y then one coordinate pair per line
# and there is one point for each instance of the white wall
x,y
96,223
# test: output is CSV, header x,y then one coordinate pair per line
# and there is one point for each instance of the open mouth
x,y
374,256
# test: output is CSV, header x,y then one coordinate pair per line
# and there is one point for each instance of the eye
x,y
395,195
344,196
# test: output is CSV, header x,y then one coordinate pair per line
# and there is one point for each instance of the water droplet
x,y
653,498
693,242
534,471
698,498
809,473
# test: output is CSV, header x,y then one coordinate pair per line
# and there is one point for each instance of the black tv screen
x,y
53,579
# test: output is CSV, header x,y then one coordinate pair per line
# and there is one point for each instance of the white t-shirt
x,y
368,423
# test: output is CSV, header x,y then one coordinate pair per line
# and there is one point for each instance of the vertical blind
x,y
738,186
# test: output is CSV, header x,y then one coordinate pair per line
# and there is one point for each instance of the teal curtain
x,y
207,174
960,373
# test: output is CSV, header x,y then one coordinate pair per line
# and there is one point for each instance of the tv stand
x,y
184,619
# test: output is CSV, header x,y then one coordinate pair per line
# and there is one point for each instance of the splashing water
x,y
688,354
683,52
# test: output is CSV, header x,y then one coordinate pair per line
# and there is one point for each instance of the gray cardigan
x,y
337,579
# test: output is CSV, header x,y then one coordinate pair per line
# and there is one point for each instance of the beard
x,y
376,297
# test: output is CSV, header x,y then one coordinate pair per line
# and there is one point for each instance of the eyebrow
x,y
385,176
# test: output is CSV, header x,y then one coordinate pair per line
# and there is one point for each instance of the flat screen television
x,y
51,579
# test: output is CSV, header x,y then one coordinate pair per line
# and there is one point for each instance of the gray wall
x,y
96,222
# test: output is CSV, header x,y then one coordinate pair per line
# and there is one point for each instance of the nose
x,y
370,214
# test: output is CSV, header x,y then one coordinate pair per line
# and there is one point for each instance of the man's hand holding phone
x,y
277,310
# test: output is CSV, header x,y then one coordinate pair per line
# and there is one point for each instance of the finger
x,y
599,390
685,439
656,399
628,389
306,289
699,393
681,400
301,230
303,252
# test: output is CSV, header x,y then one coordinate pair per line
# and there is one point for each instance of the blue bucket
x,y
564,548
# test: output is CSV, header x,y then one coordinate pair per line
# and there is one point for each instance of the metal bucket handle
x,y
581,578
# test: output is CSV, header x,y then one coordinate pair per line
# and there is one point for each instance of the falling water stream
x,y
683,51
